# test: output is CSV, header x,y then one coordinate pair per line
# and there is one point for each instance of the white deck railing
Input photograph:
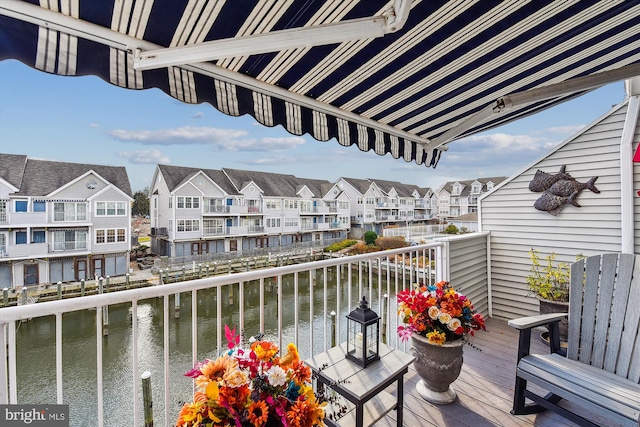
x,y
350,271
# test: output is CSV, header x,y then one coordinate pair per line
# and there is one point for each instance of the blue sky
x,y
85,120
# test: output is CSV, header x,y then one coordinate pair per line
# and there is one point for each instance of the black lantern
x,y
363,332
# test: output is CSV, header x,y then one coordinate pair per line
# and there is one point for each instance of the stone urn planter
x,y
438,366
548,306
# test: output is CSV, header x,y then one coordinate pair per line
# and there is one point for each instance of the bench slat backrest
x,y
604,313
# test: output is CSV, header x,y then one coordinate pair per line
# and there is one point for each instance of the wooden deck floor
x,y
484,388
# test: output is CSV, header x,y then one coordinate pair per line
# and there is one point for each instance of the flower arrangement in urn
x,y
252,388
438,313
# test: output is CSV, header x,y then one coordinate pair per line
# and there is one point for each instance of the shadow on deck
x,y
484,388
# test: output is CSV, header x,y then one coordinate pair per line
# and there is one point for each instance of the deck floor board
x,y
484,388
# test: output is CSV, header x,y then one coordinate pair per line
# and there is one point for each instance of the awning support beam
x,y
274,41
56,21
506,103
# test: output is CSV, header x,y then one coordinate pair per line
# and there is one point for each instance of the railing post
x,y
59,290
105,310
106,284
147,399
82,287
385,317
333,329
5,296
199,271
176,306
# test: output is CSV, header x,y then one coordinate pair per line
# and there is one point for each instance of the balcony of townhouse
x,y
26,250
255,229
215,231
455,201
305,226
159,232
420,204
382,217
27,218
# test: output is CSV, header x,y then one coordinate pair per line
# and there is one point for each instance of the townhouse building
x,y
457,198
377,204
62,221
203,211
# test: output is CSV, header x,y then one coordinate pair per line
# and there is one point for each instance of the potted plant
x,y
252,387
549,281
437,319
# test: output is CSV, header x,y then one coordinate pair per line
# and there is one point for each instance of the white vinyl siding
x,y
516,226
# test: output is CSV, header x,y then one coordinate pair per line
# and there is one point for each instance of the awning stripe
x,y
386,94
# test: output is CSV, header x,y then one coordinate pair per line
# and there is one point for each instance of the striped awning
x,y
398,77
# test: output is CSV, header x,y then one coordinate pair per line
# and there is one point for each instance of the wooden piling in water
x,y
105,310
176,306
147,399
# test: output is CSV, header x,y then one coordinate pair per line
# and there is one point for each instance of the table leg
x,y
400,391
360,414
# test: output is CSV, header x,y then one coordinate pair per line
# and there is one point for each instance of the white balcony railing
x,y
375,275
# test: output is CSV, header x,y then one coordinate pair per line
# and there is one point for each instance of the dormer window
x,y
457,188
489,186
476,187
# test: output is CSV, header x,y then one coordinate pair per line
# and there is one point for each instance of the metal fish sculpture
x,y
543,181
552,204
566,187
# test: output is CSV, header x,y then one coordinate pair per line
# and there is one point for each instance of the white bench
x,y
601,369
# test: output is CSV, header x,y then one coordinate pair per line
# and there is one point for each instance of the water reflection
x,y
36,344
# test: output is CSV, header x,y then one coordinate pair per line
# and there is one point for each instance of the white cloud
x,y
198,115
144,157
216,139
94,125
504,141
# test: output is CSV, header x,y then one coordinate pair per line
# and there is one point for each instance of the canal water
x,y
36,345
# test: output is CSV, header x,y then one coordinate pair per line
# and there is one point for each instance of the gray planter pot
x,y
438,366
548,306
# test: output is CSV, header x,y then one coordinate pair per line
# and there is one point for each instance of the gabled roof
x,y
275,184
395,77
362,185
12,168
467,184
403,190
176,175
42,177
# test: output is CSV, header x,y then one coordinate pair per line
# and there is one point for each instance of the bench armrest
x,y
539,320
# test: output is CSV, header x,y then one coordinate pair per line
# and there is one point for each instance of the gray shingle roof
x,y
12,168
362,185
176,175
41,177
272,184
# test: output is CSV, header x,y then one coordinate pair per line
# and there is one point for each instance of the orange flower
x,y
298,414
300,372
234,397
258,413
264,350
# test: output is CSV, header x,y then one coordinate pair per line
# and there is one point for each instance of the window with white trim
x,y
188,224
343,205
273,222
290,204
67,240
3,244
291,222
273,204
188,202
110,235
69,211
3,211
111,208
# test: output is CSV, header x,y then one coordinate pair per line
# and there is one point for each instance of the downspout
x,y
626,165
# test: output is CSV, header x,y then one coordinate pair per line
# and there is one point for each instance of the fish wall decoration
x,y
558,190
